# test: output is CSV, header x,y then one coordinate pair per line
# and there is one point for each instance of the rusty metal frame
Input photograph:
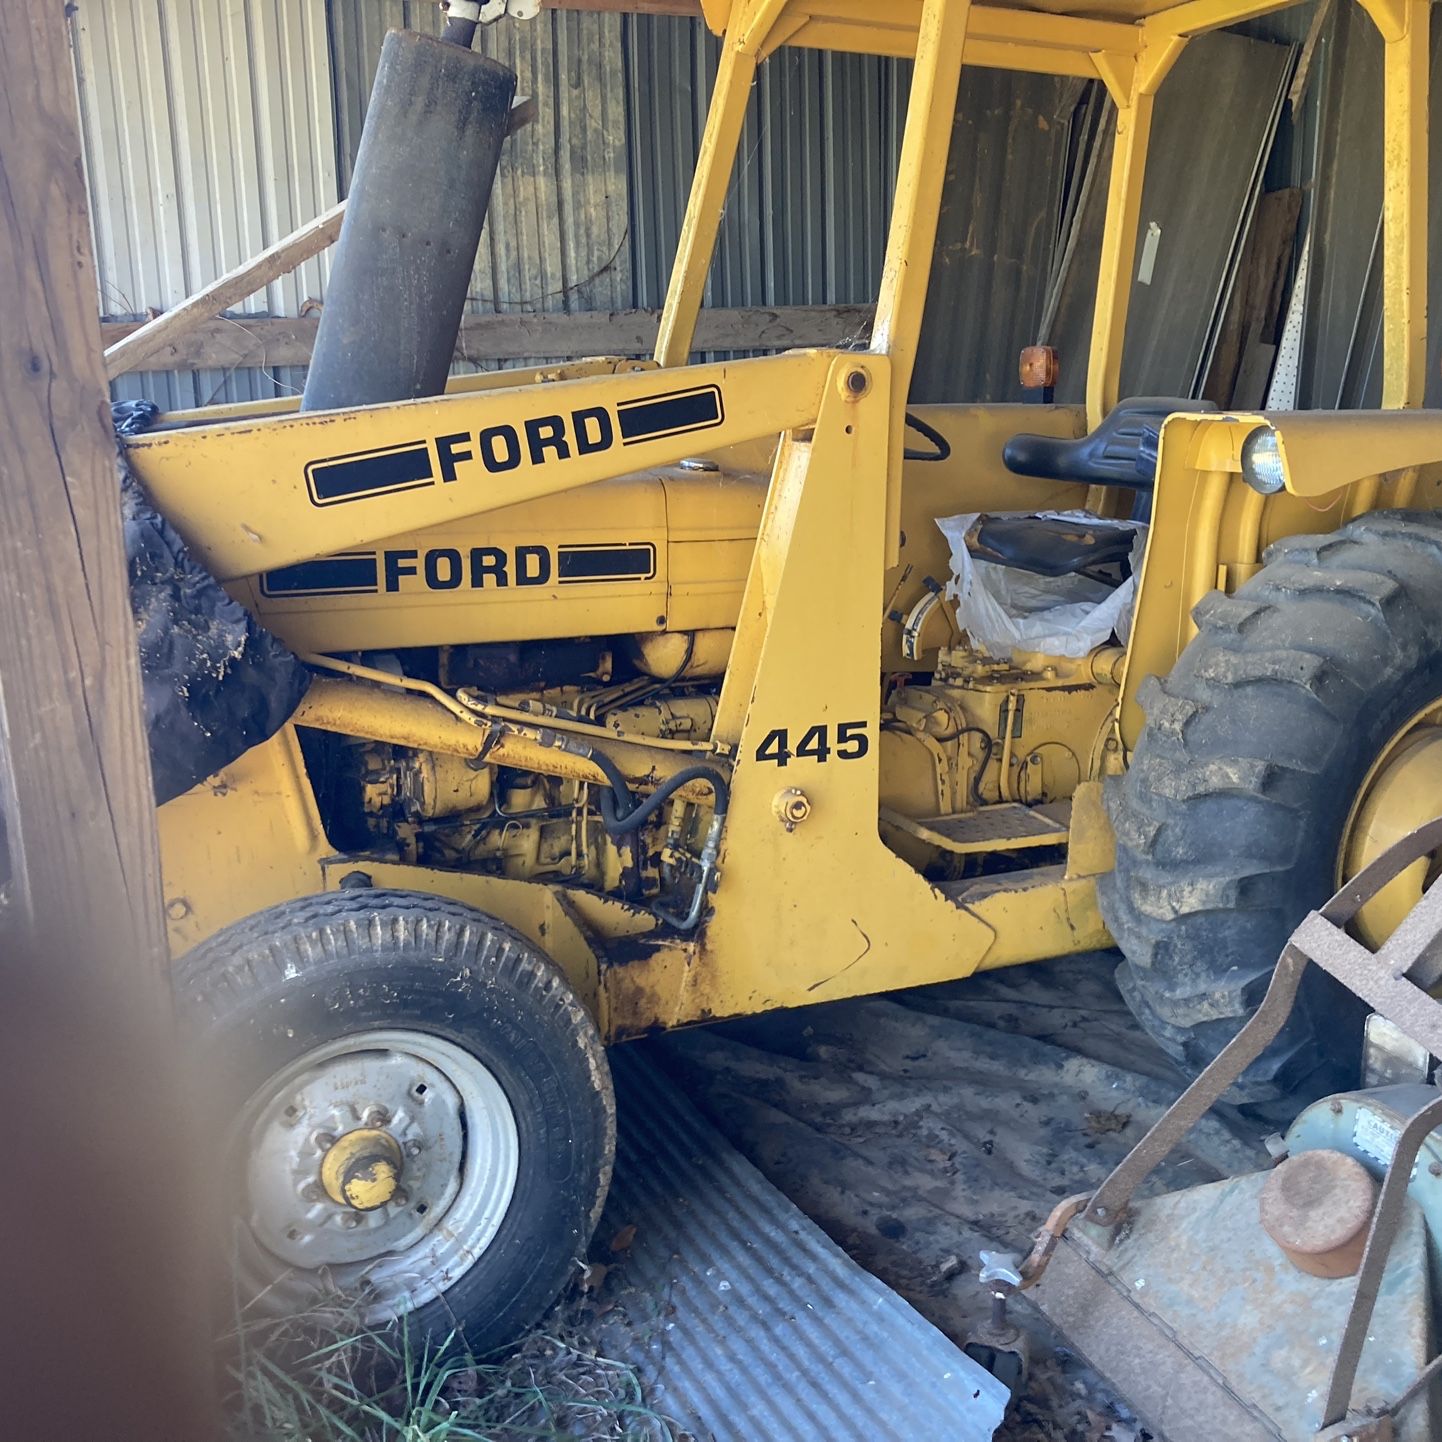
x,y
1386,1218
1383,980
1379,979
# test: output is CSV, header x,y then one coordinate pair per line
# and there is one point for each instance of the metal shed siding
x,y
805,220
208,135
997,234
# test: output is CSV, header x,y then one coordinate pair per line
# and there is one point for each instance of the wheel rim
x,y
1398,795
379,1166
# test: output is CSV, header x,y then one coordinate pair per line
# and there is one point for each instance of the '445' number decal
x,y
816,744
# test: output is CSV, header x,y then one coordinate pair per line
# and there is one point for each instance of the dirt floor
x,y
921,1127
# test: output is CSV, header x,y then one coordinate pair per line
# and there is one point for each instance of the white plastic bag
x,y
1003,609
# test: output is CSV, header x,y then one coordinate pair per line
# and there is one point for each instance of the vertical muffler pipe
x,y
402,268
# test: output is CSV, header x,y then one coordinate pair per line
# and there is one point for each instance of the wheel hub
x,y
362,1169
1399,794
382,1163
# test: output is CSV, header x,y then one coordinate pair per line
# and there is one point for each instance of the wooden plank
x,y
1246,342
228,342
110,1269
148,340
1303,74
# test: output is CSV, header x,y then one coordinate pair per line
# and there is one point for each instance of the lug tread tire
x,y
269,985
1228,819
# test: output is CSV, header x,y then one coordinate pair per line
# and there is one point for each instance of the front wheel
x,y
417,1111
1296,735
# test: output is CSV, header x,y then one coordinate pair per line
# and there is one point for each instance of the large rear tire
x,y
1230,820
416,1111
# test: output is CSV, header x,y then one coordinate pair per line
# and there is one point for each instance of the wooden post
x,y
104,1326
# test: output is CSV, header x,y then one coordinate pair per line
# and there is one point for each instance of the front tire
x,y
1230,820
417,1111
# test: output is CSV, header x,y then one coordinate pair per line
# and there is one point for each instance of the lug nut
x,y
324,1140
312,1193
400,1197
376,1117
349,1221
413,1149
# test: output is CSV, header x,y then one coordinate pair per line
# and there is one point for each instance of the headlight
x,y
1262,461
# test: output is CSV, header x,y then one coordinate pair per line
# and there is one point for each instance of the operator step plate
x,y
1008,827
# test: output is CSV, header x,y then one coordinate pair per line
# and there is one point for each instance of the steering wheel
x,y
942,446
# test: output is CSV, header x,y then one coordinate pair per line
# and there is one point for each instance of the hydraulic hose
x,y
619,801
631,817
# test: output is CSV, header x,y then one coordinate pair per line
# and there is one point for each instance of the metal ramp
x,y
760,1326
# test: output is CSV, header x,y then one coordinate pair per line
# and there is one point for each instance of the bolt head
x,y
791,807
312,1193
349,1221
413,1148
400,1197
375,1117
324,1140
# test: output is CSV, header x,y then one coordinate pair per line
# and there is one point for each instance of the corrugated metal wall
x,y
209,134
805,221
214,127
1332,147
998,233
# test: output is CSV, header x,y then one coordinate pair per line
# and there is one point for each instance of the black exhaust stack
x,y
428,155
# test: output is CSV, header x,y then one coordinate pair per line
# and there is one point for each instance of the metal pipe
x,y
462,19
474,707
378,713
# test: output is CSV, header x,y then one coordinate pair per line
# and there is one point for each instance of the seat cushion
x,y
1047,546
1121,451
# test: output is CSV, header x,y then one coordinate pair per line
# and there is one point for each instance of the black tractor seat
x,y
1122,451
1049,546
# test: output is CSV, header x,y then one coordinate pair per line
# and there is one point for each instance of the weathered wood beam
x,y
148,340
109,1269
227,342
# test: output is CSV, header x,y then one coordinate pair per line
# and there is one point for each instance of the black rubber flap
x,y
214,683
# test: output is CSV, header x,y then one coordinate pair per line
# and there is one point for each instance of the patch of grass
x,y
320,1377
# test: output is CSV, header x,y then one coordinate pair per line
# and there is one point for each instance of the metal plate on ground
x,y
1197,1317
760,1325
1009,826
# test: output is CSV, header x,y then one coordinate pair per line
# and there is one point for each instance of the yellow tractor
x,y
638,699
